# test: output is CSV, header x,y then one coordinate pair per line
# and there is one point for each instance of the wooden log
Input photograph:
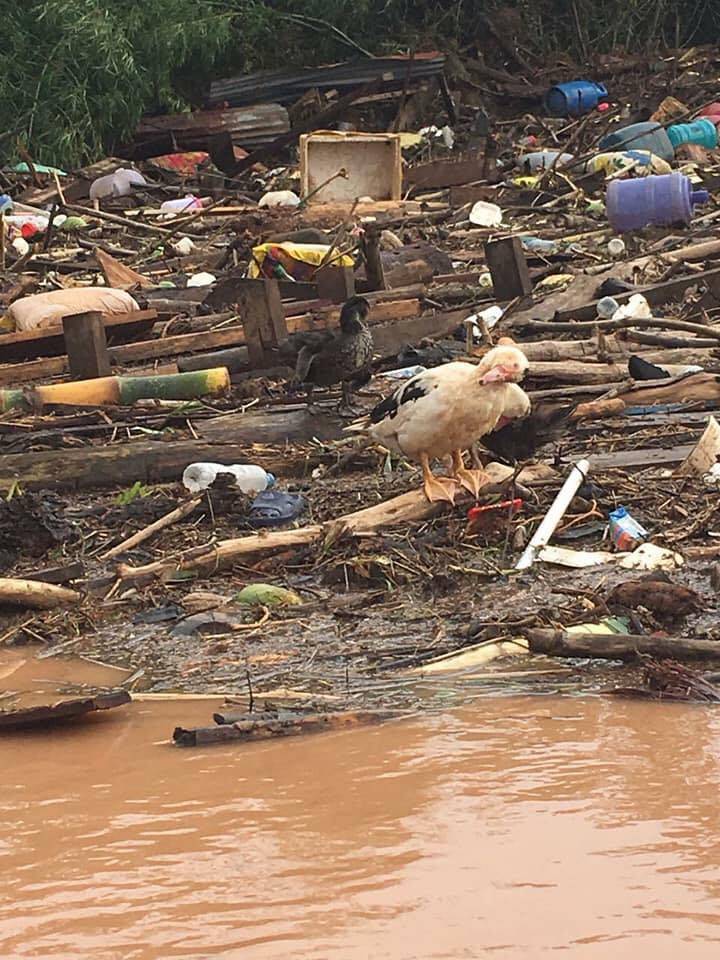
x,y
36,595
283,725
508,268
704,387
627,647
120,464
86,345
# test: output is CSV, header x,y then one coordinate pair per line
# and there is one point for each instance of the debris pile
x,y
192,333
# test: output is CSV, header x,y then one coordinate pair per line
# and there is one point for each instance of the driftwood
x,y
668,680
407,508
63,710
281,725
613,646
698,386
36,595
142,535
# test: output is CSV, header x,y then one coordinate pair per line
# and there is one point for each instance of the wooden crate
x,y
373,163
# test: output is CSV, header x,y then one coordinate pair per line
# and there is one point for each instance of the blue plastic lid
x,y
271,481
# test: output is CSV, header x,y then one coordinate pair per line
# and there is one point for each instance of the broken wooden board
x,y
444,173
62,710
655,294
50,341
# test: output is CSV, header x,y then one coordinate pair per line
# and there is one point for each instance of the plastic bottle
x,y
641,136
702,132
536,245
182,205
634,204
574,98
6,203
249,478
542,159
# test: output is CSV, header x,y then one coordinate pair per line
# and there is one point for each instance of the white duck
x,y
444,411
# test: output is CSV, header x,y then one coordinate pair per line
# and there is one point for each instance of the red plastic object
x,y
29,230
602,107
474,513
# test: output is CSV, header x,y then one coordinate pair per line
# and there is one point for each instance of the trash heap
x,y
175,503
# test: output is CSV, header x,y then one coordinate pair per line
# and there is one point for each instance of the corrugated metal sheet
x,y
284,87
249,126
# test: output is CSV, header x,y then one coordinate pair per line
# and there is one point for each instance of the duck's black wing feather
x,y
415,388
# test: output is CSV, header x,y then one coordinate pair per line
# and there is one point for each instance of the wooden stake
x,y
86,345
508,268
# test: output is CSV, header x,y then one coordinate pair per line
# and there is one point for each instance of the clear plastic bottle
x,y
248,477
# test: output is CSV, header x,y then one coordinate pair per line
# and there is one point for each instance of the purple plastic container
x,y
634,204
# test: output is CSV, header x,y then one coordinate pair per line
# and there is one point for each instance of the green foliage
x,y
78,74
132,493
82,72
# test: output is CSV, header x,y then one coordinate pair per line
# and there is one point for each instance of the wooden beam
x,y
508,268
86,345
50,341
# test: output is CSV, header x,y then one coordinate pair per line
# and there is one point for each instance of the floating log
x,y
63,710
628,647
281,726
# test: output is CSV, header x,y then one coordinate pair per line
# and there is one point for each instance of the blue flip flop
x,y
273,507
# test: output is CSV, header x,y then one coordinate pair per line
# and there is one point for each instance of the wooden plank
x,y
445,173
461,195
639,459
86,345
34,716
50,341
508,268
196,343
655,294
336,284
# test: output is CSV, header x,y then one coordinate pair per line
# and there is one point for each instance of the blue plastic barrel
x,y
703,132
574,98
641,136
634,204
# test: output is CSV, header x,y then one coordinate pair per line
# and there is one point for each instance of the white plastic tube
x,y
554,515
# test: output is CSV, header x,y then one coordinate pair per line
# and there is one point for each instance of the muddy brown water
x,y
514,827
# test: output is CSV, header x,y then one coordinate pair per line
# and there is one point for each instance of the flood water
x,y
512,828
